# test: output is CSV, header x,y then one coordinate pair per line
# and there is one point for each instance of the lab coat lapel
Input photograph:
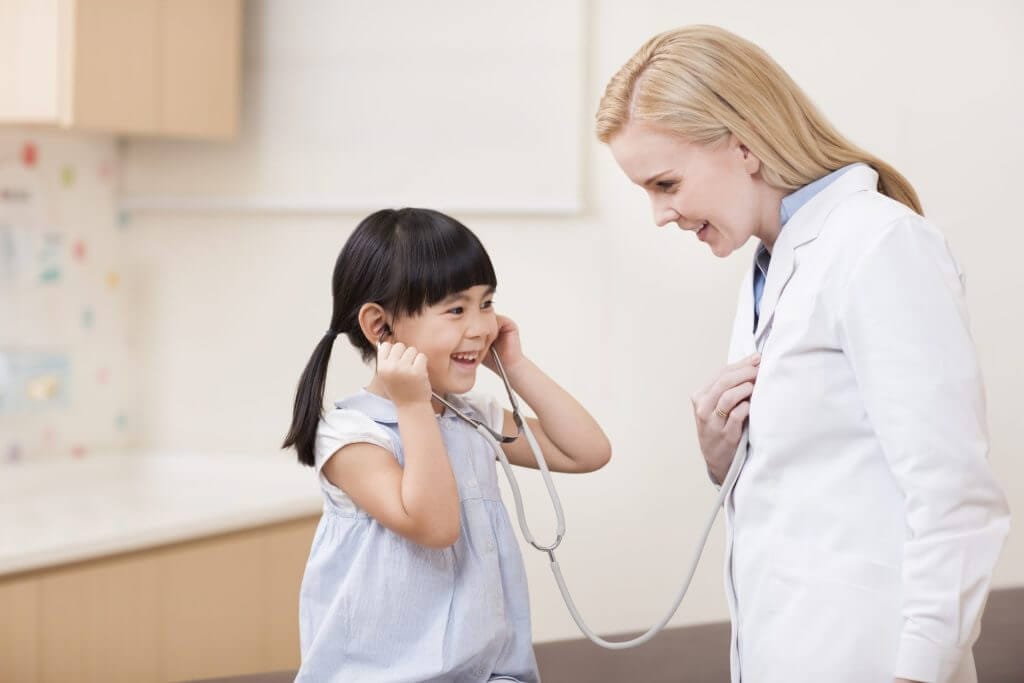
x,y
742,340
802,229
779,272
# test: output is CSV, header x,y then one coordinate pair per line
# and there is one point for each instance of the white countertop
x,y
59,510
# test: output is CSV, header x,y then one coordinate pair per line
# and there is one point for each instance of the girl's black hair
x,y
403,260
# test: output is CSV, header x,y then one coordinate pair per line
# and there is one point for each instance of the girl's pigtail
x,y
309,398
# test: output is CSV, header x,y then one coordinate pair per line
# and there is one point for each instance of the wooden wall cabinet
x,y
129,67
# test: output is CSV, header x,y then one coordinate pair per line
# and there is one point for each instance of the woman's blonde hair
x,y
703,83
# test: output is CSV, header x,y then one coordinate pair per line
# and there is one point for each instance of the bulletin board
x,y
352,106
67,370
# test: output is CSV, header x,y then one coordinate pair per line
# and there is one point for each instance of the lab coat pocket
x,y
857,572
827,614
800,563
859,601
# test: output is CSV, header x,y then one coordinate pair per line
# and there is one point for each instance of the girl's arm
x,y
569,438
421,501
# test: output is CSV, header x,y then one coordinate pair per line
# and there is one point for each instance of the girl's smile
x,y
467,361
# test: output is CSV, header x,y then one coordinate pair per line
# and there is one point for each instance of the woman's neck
x,y
771,217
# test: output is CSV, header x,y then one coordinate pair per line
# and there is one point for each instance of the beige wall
x,y
628,317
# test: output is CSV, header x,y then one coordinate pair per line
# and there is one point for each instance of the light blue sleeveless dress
x,y
377,607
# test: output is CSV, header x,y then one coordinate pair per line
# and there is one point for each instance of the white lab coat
x,y
865,524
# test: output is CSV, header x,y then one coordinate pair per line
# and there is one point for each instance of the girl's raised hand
x,y
403,372
507,344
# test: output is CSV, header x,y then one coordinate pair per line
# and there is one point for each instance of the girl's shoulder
x,y
359,418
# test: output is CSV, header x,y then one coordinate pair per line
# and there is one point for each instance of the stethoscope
x,y
496,438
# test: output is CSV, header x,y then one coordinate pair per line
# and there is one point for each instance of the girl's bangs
x,y
439,259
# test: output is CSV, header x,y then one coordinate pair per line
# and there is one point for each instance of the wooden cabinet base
x,y
219,606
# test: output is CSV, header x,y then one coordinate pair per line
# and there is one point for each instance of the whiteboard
x,y
459,105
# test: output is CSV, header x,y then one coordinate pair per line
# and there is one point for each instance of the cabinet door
x,y
114,65
200,67
214,607
288,548
99,621
157,67
30,61
19,628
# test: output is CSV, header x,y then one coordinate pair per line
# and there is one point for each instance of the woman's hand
x,y
403,372
507,345
720,409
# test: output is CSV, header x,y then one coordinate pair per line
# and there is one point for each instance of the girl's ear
x,y
373,322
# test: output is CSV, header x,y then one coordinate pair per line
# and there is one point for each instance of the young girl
x,y
414,573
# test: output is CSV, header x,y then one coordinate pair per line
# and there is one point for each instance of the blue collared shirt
x,y
791,203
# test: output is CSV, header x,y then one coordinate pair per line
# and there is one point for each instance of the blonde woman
x,y
865,524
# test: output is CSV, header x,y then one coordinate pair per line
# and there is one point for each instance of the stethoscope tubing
x,y
496,438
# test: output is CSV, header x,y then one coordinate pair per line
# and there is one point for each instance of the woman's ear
x,y
751,164
373,322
